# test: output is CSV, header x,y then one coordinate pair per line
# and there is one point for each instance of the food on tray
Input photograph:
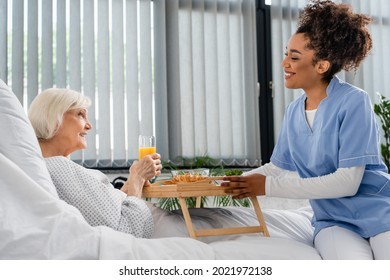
x,y
185,178
197,171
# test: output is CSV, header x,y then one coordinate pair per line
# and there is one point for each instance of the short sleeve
x,y
359,134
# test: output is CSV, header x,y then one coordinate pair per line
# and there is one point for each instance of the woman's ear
x,y
323,66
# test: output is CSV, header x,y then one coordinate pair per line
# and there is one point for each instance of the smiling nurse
x,y
328,146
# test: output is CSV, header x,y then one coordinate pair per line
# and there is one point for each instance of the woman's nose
x,y
88,125
284,63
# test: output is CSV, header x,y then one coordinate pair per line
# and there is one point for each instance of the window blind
x,y
212,80
184,71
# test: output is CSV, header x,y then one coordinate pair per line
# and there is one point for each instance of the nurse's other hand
x,y
244,186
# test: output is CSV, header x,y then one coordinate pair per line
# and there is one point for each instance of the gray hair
x,y
48,108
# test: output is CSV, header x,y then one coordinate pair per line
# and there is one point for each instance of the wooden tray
x,y
195,189
207,187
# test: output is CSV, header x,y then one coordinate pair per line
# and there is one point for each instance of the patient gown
x,y
91,192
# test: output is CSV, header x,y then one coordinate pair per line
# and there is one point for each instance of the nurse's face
x,y
299,70
70,137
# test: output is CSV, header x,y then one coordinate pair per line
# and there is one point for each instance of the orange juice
x,y
144,151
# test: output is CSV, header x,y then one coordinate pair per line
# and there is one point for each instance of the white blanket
x,y
35,224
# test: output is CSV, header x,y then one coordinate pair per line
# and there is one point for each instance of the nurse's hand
x,y
244,186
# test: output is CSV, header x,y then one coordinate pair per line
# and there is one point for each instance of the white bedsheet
x,y
35,224
290,230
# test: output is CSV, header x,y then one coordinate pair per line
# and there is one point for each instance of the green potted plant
x,y
382,110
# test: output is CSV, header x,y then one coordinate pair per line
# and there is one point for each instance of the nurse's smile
x,y
287,75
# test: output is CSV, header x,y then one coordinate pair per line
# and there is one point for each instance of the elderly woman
x,y
59,118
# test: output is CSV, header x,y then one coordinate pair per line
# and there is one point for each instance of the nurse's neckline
x,y
315,97
313,105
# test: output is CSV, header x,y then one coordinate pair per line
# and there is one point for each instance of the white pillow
x,y
18,141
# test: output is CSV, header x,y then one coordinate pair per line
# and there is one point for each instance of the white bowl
x,y
197,172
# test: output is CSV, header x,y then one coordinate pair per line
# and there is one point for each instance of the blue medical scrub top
x,y
344,134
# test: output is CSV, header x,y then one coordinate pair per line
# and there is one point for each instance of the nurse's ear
x,y
322,66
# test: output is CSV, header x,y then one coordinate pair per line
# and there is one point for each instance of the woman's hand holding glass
x,y
147,146
145,169
141,171
148,167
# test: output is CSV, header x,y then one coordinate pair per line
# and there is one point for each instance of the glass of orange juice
x,y
147,146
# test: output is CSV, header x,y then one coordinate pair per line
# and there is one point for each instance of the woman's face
x,y
299,70
72,132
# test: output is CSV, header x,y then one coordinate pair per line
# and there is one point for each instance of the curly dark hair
x,y
336,34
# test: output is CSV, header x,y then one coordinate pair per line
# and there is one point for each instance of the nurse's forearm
x,y
343,182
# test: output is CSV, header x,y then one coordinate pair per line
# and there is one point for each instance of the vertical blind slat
x,y
47,44
61,57
224,89
186,83
18,49
32,51
173,81
4,40
198,57
89,78
278,44
75,57
211,78
160,78
75,46
145,69
118,86
237,77
132,83
251,121
104,122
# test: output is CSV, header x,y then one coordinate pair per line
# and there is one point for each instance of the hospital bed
x,y
36,224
